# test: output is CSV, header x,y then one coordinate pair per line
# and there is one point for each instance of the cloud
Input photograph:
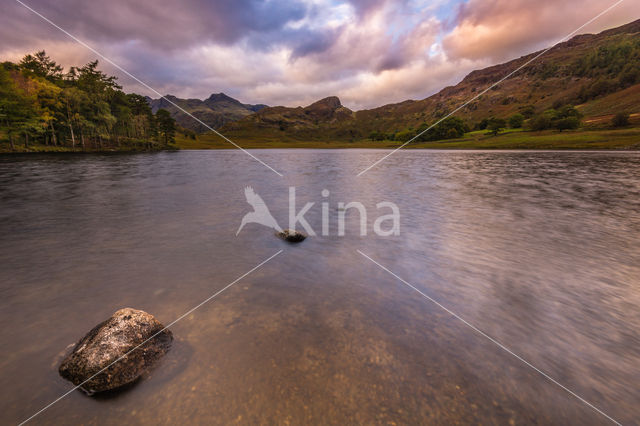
x,y
503,29
367,52
161,23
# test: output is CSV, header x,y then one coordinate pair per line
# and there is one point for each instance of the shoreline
x,y
483,149
625,139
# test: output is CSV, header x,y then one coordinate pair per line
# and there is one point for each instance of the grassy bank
x,y
5,148
628,138
616,139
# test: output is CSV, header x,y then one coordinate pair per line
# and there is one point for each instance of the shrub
x,y
528,111
404,135
548,71
568,111
629,76
453,134
482,124
376,136
621,119
566,123
450,128
496,124
566,118
516,120
540,122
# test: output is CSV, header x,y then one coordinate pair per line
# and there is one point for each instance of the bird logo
x,y
260,213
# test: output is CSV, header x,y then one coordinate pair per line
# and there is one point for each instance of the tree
x,y
528,111
48,98
166,125
567,118
449,128
74,101
41,65
143,121
40,104
567,123
516,120
540,122
90,79
630,75
18,109
496,124
405,135
376,136
621,119
482,124
568,111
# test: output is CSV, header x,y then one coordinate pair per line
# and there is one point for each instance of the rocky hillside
x,y
215,111
599,73
303,122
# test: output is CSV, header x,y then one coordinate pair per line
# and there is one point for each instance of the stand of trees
x,y
81,109
565,118
449,128
612,67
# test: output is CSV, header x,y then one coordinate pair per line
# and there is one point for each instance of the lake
x,y
539,250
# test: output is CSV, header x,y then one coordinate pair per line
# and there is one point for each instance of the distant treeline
x,y
613,67
81,109
563,118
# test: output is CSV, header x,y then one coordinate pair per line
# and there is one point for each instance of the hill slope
x,y
585,71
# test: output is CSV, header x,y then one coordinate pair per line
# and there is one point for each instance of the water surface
x,y
539,250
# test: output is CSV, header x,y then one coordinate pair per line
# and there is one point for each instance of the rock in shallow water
x,y
292,236
110,340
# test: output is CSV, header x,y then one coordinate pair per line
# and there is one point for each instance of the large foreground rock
x,y
110,340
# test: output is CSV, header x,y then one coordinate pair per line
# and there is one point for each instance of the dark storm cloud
x,y
312,42
173,25
363,7
161,23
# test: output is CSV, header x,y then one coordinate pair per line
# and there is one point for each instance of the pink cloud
x,y
503,29
367,52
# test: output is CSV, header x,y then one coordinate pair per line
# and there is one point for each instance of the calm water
x,y
540,250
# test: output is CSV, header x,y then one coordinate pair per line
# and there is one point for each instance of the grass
x,y
620,139
5,147
627,138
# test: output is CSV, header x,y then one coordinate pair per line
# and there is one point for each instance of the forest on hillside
x,y
82,109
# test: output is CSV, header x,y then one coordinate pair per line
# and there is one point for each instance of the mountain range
x,y
217,110
598,73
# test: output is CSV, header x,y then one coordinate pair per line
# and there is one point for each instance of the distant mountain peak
x,y
219,97
331,102
217,110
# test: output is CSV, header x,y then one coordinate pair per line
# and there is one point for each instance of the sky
x,y
366,52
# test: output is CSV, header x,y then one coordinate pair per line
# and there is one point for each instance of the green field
x,y
618,139
628,138
129,146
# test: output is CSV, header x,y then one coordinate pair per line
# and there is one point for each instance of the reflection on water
x,y
540,250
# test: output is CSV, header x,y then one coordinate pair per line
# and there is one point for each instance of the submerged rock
x,y
111,340
292,235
